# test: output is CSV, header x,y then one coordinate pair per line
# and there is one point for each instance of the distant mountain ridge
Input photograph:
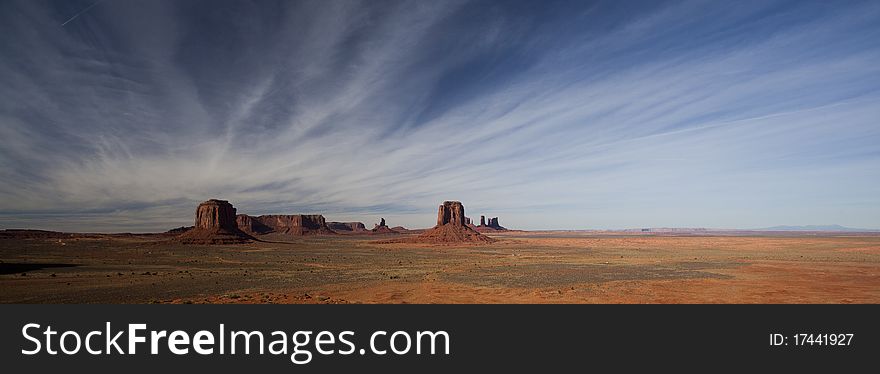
x,y
815,228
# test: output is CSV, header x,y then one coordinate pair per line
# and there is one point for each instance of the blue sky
x,y
550,114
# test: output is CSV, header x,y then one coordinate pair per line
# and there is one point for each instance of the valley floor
x,y
521,267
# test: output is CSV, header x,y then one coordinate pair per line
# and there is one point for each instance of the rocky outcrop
x,y
451,228
251,225
215,214
491,226
382,228
493,223
286,224
347,227
451,212
215,224
36,234
179,230
469,222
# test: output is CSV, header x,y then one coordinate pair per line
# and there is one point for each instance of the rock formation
x,y
469,222
179,230
491,226
251,225
451,228
347,227
287,224
400,229
451,212
215,214
215,224
382,228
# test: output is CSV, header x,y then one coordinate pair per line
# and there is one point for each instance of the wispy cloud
x,y
565,115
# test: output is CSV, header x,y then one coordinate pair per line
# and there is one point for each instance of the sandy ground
x,y
519,268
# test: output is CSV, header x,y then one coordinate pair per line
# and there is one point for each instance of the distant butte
x,y
492,226
215,224
451,228
382,228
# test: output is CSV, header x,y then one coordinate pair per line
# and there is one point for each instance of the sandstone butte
x,y
382,228
451,228
491,226
215,224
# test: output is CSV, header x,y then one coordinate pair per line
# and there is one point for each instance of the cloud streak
x,y
564,115
80,13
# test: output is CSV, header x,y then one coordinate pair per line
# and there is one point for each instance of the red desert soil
x,y
519,267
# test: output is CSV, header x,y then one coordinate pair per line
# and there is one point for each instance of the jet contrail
x,y
81,12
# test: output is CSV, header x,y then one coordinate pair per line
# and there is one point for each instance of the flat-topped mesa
x,y
347,227
293,223
289,224
251,225
451,212
215,223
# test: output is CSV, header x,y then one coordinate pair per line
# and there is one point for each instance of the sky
x,y
123,115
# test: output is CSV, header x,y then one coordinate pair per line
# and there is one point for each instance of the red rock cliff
x,y
451,212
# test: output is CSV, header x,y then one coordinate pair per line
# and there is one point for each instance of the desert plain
x,y
519,267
